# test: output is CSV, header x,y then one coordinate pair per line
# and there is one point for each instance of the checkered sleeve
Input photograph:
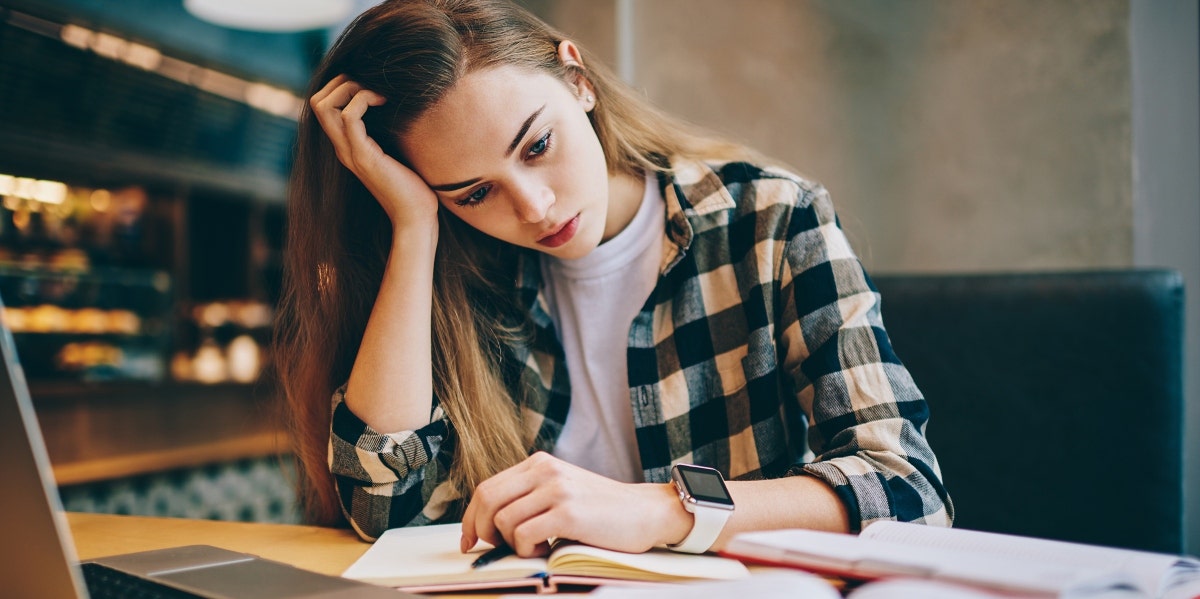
x,y
866,416
389,480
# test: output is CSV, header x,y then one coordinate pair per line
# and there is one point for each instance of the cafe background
x,y
144,154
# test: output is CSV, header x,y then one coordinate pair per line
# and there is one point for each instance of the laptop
x,y
38,559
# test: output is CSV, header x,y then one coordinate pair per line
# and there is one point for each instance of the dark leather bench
x,y
1056,399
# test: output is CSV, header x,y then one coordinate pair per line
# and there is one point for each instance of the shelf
x,y
81,336
123,277
99,469
50,157
101,431
46,392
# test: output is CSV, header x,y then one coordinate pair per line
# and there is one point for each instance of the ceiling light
x,y
271,15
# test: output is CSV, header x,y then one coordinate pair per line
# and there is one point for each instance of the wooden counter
x,y
103,431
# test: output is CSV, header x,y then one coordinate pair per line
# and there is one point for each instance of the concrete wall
x,y
591,23
954,135
984,135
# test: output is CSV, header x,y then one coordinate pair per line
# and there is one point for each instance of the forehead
x,y
476,120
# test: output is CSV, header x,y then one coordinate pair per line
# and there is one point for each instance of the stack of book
x,y
888,559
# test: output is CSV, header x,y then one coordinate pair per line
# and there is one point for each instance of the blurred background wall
x,y
953,135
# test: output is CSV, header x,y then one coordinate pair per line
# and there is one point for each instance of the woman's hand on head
x,y
339,108
544,497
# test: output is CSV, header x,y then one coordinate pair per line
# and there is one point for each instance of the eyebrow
x,y
516,140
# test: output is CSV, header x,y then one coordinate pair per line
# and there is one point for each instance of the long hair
x,y
412,52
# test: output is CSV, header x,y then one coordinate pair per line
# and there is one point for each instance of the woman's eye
x,y
540,146
476,196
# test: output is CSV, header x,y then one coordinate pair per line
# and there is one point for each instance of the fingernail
x,y
465,544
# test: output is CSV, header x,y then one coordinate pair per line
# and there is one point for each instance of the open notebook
x,y
1023,566
427,559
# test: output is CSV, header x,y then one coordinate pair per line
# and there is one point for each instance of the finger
x,y
332,126
469,537
352,124
486,502
360,102
470,518
531,538
491,496
512,516
549,510
338,97
328,112
327,89
327,106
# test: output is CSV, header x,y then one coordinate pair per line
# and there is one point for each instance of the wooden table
x,y
325,550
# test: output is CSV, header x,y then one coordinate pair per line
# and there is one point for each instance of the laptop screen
x,y
33,522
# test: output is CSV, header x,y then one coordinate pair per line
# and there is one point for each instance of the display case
x,y
137,284
86,288
141,225
89,325
141,314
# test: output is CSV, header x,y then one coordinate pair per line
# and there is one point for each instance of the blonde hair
x,y
412,52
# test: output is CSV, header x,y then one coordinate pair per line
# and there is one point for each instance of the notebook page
x,y
1184,580
872,558
1148,568
594,561
907,588
781,585
430,555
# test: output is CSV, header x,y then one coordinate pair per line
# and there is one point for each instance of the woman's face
x,y
512,153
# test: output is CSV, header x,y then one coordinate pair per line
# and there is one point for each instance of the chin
x,y
577,249
585,241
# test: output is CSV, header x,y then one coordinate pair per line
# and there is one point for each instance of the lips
x,y
561,234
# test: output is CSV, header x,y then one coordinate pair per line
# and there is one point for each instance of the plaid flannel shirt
x,y
763,331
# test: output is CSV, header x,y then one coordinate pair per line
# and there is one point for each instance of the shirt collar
x,y
692,190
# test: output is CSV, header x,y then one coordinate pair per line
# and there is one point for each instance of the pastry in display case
x,y
72,319
229,339
106,326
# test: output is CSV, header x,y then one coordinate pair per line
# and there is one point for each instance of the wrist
x,y
675,521
703,493
408,238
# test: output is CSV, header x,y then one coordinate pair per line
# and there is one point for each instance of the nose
x,y
532,201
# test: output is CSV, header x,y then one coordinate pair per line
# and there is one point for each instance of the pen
x,y
492,555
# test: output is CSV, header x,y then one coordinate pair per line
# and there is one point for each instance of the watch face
x,y
705,484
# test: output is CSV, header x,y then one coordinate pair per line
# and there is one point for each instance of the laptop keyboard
x,y
106,583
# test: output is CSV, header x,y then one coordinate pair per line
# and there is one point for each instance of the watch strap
x,y
708,526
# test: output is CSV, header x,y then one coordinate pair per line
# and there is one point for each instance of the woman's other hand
x,y
339,108
544,497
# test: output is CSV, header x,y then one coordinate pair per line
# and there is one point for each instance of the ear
x,y
569,55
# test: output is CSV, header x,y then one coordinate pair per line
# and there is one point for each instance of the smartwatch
x,y
703,493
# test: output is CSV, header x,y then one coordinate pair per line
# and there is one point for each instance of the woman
x,y
531,294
